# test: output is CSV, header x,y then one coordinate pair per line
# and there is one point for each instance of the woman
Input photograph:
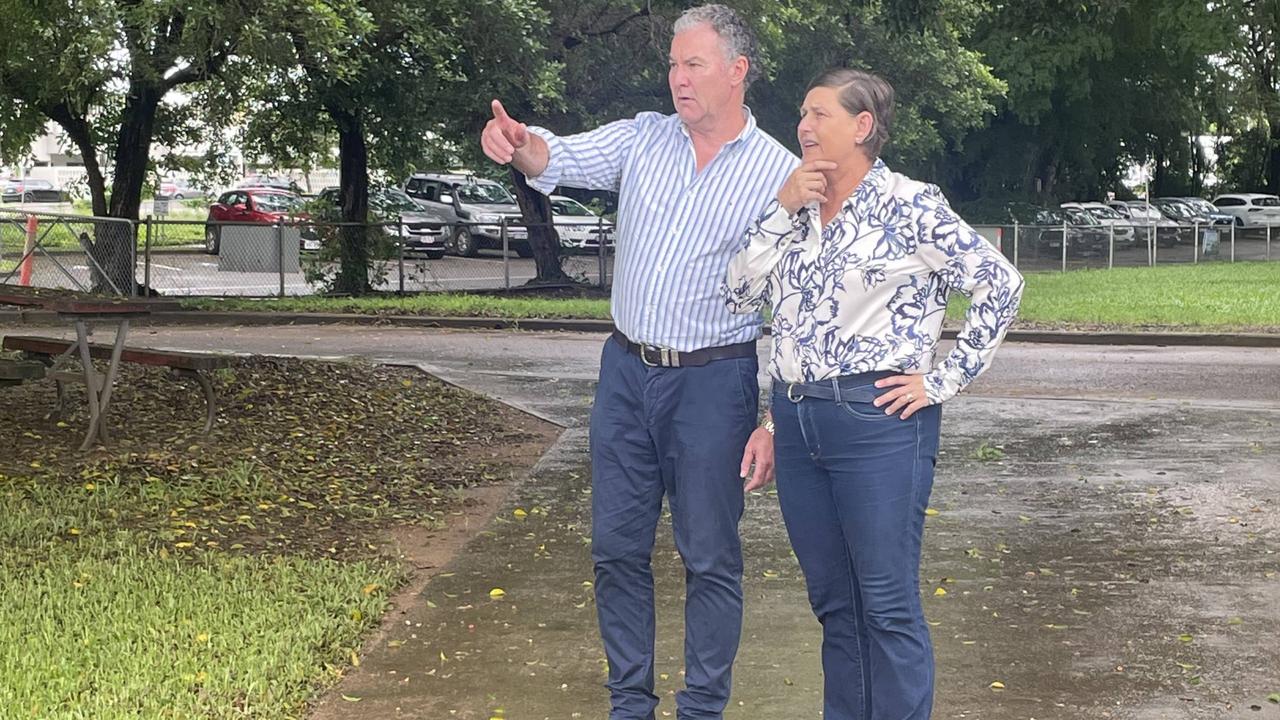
x,y
857,263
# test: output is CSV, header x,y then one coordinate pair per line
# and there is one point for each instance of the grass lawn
x,y
433,304
1216,296
231,576
64,235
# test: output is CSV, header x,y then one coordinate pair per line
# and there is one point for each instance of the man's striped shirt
x,y
677,228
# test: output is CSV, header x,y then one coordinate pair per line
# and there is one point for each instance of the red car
x,y
250,206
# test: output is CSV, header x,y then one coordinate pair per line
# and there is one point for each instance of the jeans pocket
x,y
865,411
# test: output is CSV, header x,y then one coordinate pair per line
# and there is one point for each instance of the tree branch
x,y
572,41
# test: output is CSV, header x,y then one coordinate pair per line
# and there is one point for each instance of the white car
x,y
1250,209
1146,218
579,229
1124,231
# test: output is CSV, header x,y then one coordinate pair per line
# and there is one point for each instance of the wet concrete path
x,y
1106,543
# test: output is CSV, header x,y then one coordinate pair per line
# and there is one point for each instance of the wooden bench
x,y
182,365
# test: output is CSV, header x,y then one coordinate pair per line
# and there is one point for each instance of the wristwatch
x,y
768,425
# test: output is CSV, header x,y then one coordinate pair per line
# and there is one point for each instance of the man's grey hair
x,y
735,34
862,92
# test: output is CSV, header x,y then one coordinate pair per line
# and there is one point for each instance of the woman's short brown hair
x,y
861,91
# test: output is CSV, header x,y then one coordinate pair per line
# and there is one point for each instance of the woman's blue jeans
x,y
854,484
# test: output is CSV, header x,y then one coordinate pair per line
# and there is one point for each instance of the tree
x,y
398,83
1093,87
109,73
1248,98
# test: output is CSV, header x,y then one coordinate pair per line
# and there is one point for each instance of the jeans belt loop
x,y
835,389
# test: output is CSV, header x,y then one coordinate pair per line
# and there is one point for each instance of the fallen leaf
x,y
497,593
349,698
997,685
939,592
931,512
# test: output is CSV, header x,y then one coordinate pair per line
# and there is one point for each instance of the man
x,y
677,398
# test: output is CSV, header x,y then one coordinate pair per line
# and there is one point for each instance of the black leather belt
x,y
655,356
859,388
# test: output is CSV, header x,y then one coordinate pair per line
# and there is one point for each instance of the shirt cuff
x,y
546,182
780,225
939,387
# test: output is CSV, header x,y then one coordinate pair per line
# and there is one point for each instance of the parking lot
x,y
194,273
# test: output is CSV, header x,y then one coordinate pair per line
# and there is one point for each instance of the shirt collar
x,y
871,189
747,129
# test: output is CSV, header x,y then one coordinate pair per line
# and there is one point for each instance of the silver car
x,y
1120,227
475,209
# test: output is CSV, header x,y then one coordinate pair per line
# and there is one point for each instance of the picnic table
x,y
81,311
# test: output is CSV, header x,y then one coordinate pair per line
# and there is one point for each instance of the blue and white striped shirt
x,y
677,228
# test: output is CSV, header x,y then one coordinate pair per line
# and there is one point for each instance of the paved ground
x,y
1111,554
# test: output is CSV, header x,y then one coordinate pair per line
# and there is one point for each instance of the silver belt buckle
x,y
793,398
666,356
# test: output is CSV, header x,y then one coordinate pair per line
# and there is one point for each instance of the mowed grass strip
x,y
129,633
65,235
1241,296
427,304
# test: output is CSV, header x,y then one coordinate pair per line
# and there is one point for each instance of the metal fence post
x,y
1064,247
1195,245
280,253
1015,243
1233,242
146,258
601,239
1268,241
506,255
400,250
1111,246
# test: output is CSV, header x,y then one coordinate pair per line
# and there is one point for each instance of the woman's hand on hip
x,y
907,395
805,186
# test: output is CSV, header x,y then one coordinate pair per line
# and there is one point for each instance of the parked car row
x,y
1091,227
435,213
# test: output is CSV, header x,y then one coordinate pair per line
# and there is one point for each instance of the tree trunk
x,y
81,134
536,209
1160,174
1273,156
353,184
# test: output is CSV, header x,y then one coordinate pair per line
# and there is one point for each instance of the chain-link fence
x,y
1062,248
304,257
287,257
68,251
